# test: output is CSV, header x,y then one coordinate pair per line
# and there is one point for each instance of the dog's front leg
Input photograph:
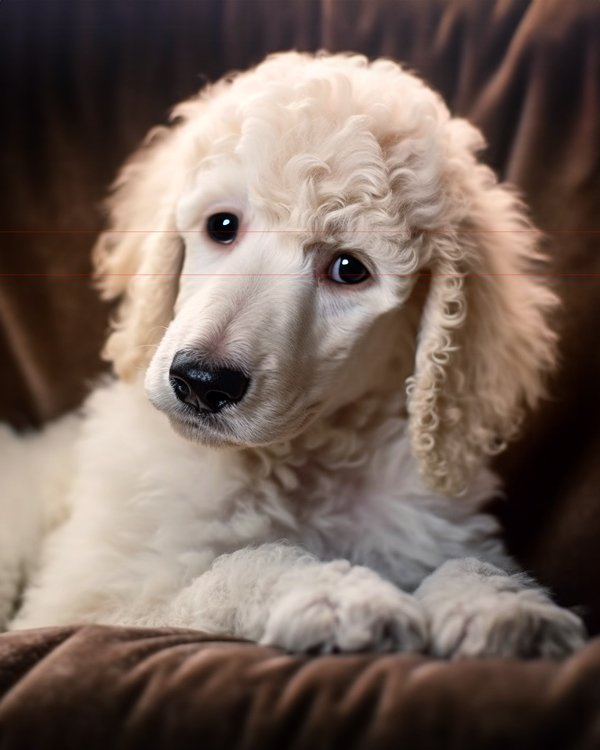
x,y
280,595
476,609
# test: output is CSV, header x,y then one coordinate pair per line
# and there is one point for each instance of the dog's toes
x,y
357,612
510,625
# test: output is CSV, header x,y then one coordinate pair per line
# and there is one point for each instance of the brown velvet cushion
x,y
80,84
96,687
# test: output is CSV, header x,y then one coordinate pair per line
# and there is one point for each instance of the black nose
x,y
203,387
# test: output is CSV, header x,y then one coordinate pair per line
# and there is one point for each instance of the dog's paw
x,y
521,624
342,608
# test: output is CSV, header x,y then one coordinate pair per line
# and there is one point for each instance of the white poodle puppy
x,y
329,320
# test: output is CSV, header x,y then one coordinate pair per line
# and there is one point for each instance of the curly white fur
x,y
309,514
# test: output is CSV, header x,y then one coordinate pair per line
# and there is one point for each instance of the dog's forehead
x,y
326,151
305,162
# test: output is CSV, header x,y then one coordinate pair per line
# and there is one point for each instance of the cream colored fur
x,y
312,513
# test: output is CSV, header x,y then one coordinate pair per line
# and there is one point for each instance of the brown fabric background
x,y
80,83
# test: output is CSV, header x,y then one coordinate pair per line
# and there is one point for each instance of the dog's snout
x,y
205,387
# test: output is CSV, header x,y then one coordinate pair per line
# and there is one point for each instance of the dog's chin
x,y
210,430
219,430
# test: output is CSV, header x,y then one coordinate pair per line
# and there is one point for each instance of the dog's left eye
x,y
347,270
222,227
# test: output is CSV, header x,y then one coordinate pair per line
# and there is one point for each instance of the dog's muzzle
x,y
203,387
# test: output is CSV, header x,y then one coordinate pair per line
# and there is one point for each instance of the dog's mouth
x,y
221,430
203,426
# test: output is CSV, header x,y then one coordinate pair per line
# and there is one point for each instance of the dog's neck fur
x,y
337,445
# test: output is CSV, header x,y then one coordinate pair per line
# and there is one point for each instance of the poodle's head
x,y
314,231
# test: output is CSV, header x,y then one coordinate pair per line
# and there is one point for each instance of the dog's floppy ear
x,y
138,259
485,345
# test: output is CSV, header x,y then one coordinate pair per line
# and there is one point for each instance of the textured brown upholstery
x,y
80,84
122,688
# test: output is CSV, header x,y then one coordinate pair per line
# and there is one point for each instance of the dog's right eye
x,y
346,269
222,227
